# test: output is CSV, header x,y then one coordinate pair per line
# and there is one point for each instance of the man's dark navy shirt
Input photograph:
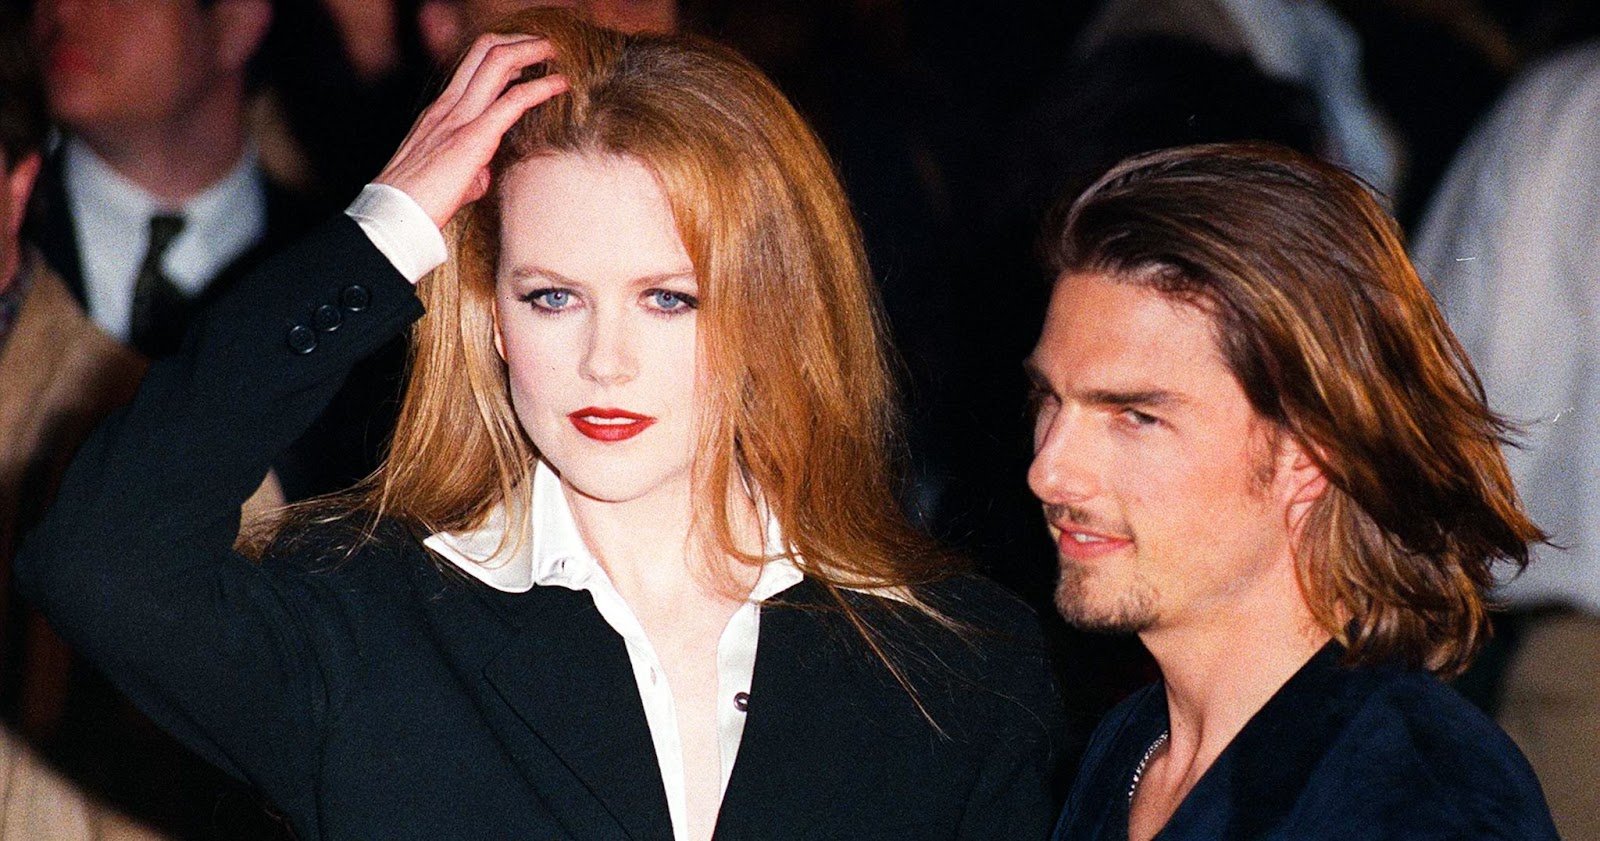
x,y
1345,754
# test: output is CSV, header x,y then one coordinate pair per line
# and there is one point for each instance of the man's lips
x,y
1080,544
70,60
609,424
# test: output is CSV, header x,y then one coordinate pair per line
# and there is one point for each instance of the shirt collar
x,y
220,223
557,556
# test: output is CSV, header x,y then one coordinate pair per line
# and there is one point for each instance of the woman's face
x,y
595,302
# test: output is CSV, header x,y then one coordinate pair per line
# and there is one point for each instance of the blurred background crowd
x,y
155,149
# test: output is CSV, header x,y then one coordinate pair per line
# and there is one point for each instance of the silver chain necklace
x,y
1138,770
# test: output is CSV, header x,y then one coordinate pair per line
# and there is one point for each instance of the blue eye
x,y
549,299
666,300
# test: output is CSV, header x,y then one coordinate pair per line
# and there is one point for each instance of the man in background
x,y
1511,247
155,194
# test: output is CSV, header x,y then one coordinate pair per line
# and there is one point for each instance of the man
x,y
1259,449
1510,245
155,192
155,201
60,374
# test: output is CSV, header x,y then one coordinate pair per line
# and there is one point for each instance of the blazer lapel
x,y
553,681
568,679
816,708
49,225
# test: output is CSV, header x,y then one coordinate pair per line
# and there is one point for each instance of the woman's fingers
x,y
501,65
469,64
443,162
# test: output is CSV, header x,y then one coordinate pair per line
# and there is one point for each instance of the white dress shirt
x,y
1309,44
111,219
557,557
1511,247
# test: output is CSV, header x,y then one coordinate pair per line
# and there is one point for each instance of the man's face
x,y
16,182
1168,497
112,64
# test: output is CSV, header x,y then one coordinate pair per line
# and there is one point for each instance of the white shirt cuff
x,y
400,229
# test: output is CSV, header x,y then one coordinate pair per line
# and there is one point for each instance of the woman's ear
x,y
499,341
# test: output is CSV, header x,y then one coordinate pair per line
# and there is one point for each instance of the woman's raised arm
x,y
134,565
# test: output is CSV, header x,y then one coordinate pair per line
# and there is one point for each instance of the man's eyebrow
x,y
1154,398
1036,377
1146,397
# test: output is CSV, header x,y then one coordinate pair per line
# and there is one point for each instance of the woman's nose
x,y
610,357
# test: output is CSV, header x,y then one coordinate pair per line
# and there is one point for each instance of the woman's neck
x,y
650,549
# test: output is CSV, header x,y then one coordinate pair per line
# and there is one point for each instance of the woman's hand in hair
x,y
444,161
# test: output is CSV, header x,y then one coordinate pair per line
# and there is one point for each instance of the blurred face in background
x,y
447,25
16,182
109,63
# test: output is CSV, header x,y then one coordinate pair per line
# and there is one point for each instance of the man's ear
x,y
1300,473
238,27
18,185
443,26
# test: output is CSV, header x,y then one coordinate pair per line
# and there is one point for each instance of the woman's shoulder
x,y
973,637
343,546
980,604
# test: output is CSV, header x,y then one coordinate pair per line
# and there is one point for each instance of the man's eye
x,y
1037,398
1138,418
666,300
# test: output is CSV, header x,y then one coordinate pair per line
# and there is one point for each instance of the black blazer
x,y
1337,754
381,696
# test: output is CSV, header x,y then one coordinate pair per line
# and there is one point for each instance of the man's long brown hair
x,y
1324,322
797,391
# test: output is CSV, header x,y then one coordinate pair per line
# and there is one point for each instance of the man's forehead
x,y
1108,321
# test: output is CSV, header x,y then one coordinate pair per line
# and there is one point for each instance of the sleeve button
x,y
355,298
301,339
327,318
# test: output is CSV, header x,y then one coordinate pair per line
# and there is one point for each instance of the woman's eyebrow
x,y
529,273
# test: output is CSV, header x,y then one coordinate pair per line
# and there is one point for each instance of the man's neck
x,y
176,159
1215,682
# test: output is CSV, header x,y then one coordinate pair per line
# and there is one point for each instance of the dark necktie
x,y
160,310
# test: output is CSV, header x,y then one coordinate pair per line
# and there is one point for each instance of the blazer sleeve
x,y
134,564
1017,793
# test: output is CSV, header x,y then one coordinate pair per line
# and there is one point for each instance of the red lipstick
x,y
609,424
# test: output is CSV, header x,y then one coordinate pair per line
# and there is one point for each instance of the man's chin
x,y
1127,613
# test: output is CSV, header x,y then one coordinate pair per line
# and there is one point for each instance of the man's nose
x,y
1063,470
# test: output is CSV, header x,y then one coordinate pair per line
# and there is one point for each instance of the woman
x,y
632,568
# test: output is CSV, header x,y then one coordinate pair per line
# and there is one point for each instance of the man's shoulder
x,y
1416,751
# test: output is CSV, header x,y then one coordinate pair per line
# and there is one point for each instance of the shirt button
x,y
301,339
327,318
741,701
355,298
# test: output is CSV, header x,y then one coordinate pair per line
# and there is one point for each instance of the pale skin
x,y
638,525
1175,510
